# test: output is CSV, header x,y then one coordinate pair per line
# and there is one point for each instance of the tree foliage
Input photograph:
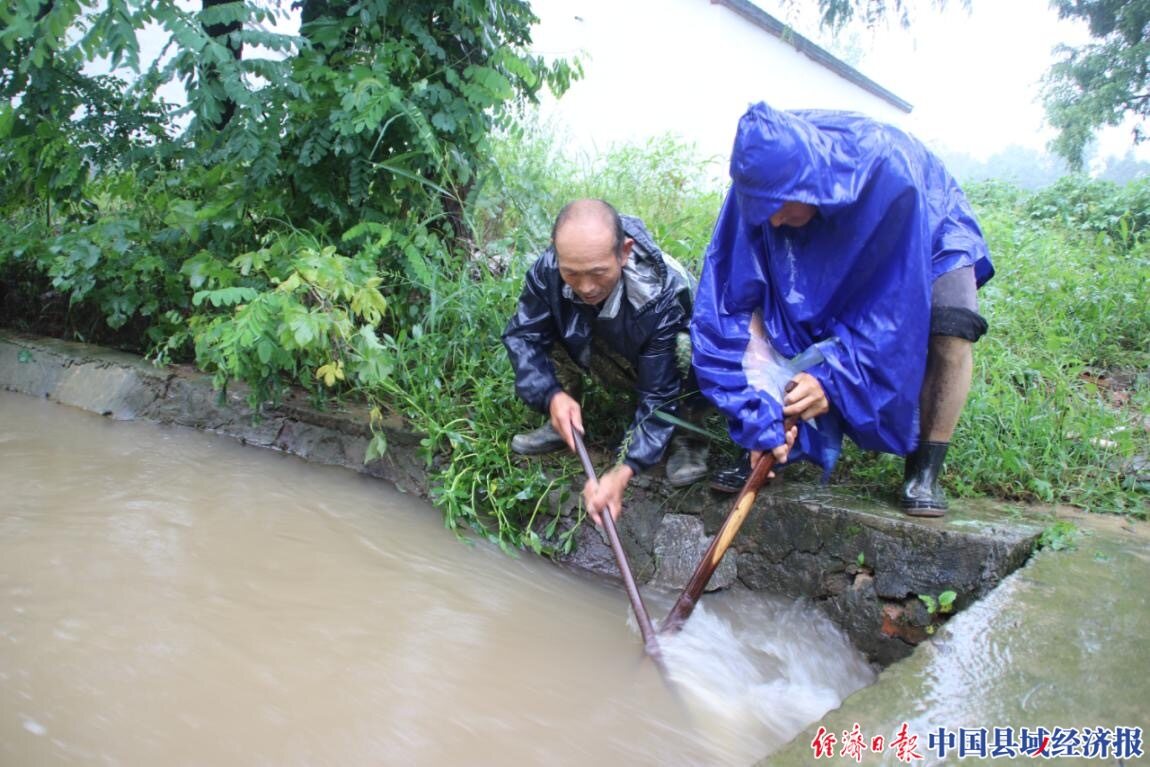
x,y
836,14
1103,82
376,111
1098,84
368,105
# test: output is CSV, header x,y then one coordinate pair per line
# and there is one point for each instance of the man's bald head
x,y
588,214
590,248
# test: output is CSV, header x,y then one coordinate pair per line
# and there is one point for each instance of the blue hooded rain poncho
x,y
856,279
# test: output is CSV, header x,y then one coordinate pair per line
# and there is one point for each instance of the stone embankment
x,y
865,564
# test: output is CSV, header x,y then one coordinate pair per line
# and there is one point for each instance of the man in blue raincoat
x,y
847,235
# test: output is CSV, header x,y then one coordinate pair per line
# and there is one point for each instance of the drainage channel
x,y
863,567
171,596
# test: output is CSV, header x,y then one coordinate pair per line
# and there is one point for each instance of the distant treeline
x,y
1030,169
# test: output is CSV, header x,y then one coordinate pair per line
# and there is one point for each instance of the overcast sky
x,y
985,66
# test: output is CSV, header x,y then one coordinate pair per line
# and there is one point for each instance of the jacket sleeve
x,y
529,337
657,386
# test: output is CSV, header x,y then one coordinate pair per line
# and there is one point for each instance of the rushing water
x,y
169,597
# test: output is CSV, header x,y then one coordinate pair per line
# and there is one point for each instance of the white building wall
x,y
686,66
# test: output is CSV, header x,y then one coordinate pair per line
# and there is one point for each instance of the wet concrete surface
x,y
1062,643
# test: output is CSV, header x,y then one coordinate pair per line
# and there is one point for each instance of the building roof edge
x,y
816,53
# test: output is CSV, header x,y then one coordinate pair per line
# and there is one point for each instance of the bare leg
x,y
949,366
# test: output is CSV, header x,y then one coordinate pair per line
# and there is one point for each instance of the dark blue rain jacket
x,y
654,308
890,220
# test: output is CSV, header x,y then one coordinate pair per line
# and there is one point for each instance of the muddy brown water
x,y
172,597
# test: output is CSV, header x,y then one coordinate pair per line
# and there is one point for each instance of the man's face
x,y
794,214
588,261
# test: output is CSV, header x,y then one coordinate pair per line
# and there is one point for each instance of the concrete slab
x,y
1062,643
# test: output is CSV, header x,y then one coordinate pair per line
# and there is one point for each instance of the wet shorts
x,y
954,306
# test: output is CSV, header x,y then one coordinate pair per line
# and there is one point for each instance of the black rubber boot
x,y
542,440
686,461
922,494
730,479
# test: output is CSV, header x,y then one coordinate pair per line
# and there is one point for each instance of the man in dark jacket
x,y
848,235
604,297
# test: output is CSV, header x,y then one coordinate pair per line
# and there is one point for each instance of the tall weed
x,y
662,181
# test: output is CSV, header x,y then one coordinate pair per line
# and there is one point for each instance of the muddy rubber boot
x,y
686,462
922,494
542,440
731,479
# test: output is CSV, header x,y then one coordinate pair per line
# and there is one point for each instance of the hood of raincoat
x,y
855,280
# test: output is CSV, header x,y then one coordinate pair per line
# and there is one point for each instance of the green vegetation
x,y
942,605
1103,82
354,218
1057,537
938,607
368,131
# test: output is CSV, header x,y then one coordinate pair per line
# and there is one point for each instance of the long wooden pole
x,y
721,542
650,643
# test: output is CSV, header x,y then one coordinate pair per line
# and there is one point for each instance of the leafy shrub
x,y
305,316
1119,216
